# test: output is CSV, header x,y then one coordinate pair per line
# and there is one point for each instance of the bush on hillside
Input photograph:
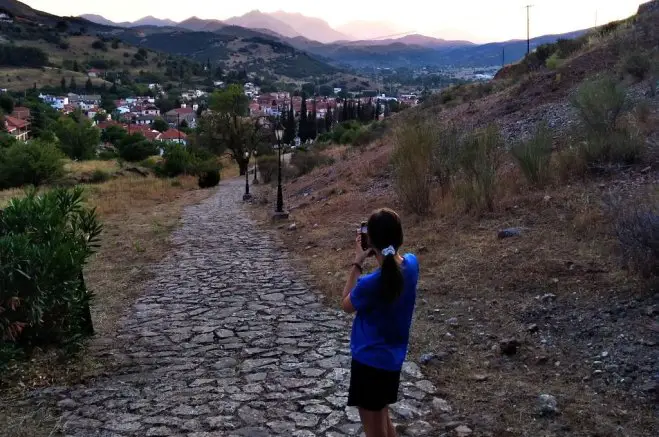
x,y
533,156
100,45
637,65
16,56
267,168
636,225
44,243
209,174
412,159
306,160
135,148
480,160
34,163
177,160
78,139
600,104
99,176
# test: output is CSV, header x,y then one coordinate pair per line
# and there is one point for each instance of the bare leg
x,y
375,422
391,431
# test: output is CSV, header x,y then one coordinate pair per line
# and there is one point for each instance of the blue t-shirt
x,y
381,330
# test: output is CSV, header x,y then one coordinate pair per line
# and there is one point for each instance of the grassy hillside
x,y
583,317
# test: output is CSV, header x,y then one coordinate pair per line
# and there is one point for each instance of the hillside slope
x,y
584,329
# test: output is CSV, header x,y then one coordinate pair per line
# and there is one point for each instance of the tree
x,y
304,119
329,119
6,103
345,110
113,134
309,89
135,147
289,127
100,116
76,68
63,84
326,90
77,139
73,85
377,112
313,123
107,103
89,86
160,125
228,128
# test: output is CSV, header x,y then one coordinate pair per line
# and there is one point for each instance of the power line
x,y
528,28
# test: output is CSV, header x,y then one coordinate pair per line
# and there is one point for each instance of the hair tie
x,y
389,251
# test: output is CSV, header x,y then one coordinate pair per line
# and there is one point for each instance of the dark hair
x,y
384,230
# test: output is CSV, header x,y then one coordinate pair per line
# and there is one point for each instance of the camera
x,y
364,232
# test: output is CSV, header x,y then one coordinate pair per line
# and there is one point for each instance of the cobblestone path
x,y
228,340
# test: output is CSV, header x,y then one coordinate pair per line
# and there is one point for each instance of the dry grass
x,y
138,214
19,79
81,167
494,288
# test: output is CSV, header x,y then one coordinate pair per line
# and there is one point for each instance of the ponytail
x,y
391,278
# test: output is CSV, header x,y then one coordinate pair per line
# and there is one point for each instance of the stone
x,y
304,420
419,428
411,369
251,416
508,233
351,428
160,431
463,431
441,405
453,321
67,404
426,386
547,405
292,227
509,346
317,409
533,328
282,427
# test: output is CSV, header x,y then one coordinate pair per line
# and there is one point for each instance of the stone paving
x,y
228,340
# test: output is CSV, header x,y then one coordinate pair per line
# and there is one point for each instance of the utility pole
x,y
528,28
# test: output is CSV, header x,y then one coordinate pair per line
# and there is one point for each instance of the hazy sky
x,y
479,20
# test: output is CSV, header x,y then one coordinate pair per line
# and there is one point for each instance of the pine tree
x,y
75,66
313,123
63,84
360,115
89,86
377,110
345,110
304,119
73,85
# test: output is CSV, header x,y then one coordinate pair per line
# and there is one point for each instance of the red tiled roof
x,y
172,134
21,112
13,122
183,110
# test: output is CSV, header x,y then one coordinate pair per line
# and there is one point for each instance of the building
x,y
94,72
17,128
179,115
21,112
143,119
173,136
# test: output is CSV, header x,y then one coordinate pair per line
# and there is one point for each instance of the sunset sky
x,y
478,20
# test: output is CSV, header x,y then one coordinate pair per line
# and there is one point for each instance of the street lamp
x,y
279,133
247,196
256,179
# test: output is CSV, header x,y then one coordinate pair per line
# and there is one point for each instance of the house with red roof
x,y
179,115
173,136
21,112
17,128
94,72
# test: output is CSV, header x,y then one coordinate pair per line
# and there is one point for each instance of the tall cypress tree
x,y
63,84
345,110
304,119
289,127
329,121
313,122
73,85
377,110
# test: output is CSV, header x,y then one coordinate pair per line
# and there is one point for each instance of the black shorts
x,y
370,388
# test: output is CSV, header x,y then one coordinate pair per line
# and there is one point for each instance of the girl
x,y
384,302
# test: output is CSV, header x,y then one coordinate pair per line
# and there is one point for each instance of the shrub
x,y
349,137
412,162
99,176
34,163
136,148
600,105
78,139
533,156
267,168
306,160
554,61
99,45
637,65
44,243
209,175
446,155
480,159
636,225
177,160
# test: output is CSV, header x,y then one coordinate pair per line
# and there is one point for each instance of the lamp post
x,y
279,133
247,196
256,179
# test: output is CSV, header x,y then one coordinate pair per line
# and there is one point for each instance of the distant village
x,y
137,114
